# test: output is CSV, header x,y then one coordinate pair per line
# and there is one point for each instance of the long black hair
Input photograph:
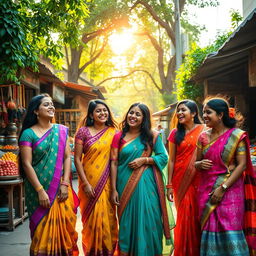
x,y
88,121
220,105
30,118
192,106
146,135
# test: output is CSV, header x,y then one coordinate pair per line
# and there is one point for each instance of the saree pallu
x,y
99,234
223,225
141,221
187,231
52,230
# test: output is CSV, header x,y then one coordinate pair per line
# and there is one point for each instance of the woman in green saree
x,y
138,157
51,203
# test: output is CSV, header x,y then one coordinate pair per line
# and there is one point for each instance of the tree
x,y
105,16
160,32
26,28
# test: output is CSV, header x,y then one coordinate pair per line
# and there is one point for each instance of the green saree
x,y
141,226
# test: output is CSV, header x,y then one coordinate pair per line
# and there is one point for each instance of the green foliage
x,y
186,88
236,18
26,31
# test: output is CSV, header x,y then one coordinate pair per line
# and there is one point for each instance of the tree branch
x,y
154,15
130,73
67,58
93,58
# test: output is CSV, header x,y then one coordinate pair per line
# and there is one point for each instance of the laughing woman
x,y
183,178
92,160
45,157
227,185
137,159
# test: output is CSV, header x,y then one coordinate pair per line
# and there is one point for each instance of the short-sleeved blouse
x,y
116,140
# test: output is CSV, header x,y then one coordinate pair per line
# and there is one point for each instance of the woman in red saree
x,y
92,160
227,189
183,179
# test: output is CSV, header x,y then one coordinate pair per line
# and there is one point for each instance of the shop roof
x,y
234,51
94,91
46,74
166,111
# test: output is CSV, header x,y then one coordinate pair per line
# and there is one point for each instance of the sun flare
x,y
121,41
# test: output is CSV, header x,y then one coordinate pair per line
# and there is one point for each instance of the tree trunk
x,y
73,66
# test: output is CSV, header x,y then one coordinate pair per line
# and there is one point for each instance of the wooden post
x,y
252,67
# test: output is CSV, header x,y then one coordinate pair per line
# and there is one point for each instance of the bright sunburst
x,y
121,41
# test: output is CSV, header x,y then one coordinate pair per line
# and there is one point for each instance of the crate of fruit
x,y
9,167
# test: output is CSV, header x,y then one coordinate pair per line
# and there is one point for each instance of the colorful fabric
x,y
141,222
185,181
52,230
227,219
99,234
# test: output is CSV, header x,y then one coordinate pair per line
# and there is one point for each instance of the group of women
x,y
122,190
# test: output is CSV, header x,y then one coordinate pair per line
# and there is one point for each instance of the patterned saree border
x,y
42,138
235,136
40,212
93,138
98,190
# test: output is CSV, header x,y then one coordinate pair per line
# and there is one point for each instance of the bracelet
x,y
113,159
168,186
65,183
39,188
146,160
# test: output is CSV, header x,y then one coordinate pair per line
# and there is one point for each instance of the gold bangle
x,y
147,160
39,188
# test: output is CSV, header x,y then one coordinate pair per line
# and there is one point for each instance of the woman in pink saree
x,y
227,189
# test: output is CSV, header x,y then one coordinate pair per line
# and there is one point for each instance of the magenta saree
x,y
223,225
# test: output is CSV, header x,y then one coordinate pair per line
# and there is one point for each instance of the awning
x,y
166,111
89,90
46,74
233,53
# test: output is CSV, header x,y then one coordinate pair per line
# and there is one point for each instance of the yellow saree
x,y
99,234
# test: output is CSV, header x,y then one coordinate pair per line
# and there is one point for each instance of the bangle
x,y
168,186
39,188
65,183
146,160
113,159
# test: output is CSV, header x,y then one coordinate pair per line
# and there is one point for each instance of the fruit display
x,y
9,147
9,164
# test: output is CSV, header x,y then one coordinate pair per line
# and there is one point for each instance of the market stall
x,y
12,202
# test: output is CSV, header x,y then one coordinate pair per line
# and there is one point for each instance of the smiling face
x,y
211,117
46,108
184,114
100,114
135,117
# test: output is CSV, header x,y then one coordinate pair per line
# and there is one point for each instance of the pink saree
x,y
227,228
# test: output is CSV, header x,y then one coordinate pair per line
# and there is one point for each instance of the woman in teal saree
x,y
49,198
137,159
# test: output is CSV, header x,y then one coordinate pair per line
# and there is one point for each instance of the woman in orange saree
x,y
92,160
50,200
183,180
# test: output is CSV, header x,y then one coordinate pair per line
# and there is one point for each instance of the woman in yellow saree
x,y
92,160
50,200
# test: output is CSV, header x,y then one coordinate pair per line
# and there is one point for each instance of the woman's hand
x,y
63,193
169,194
138,162
115,197
43,198
89,190
217,195
204,164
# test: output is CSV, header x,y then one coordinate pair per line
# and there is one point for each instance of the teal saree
x,y
141,226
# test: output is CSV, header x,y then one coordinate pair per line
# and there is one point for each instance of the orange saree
x,y
99,234
185,182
